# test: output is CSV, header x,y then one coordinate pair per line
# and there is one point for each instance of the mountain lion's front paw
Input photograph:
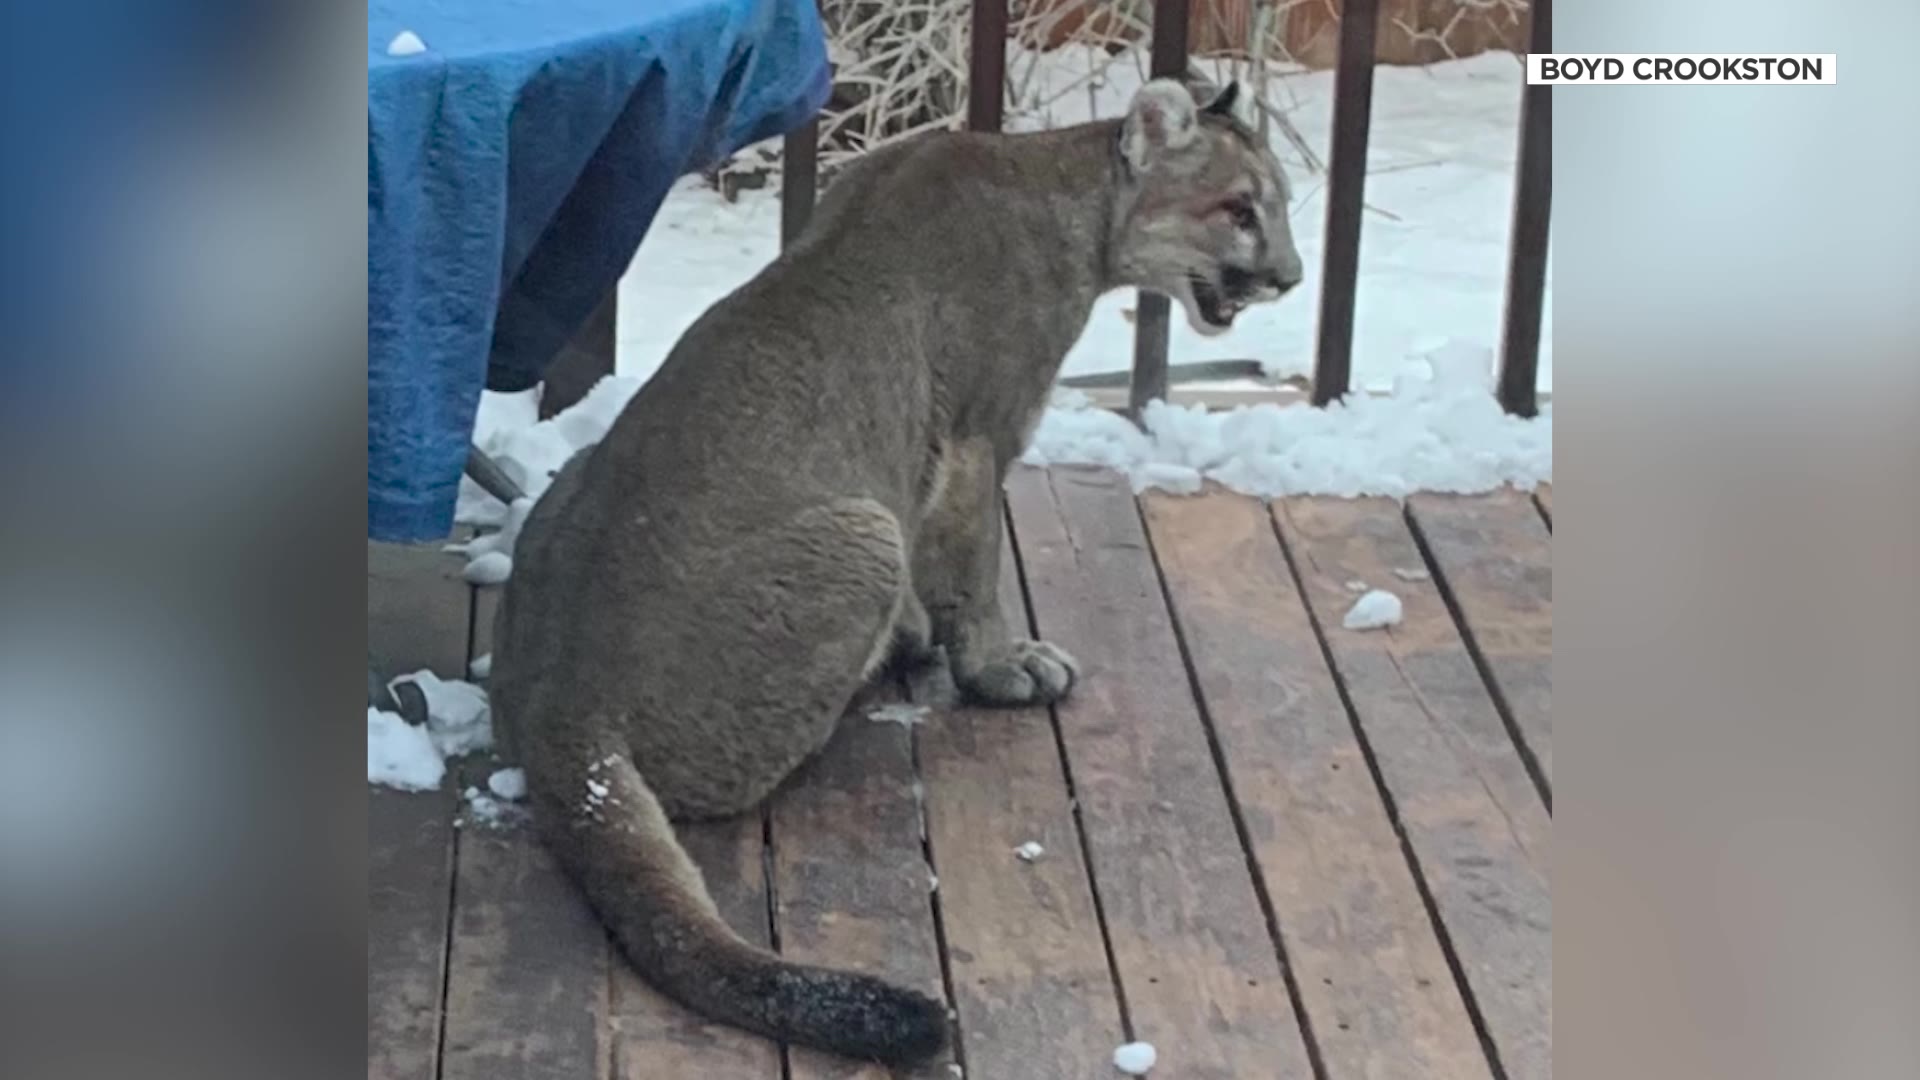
x,y
1026,673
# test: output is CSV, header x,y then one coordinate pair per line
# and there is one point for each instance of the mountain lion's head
x,y
1202,215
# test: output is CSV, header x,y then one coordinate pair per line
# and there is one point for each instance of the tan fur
x,y
814,475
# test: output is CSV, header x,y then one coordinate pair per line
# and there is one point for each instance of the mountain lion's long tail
x,y
610,833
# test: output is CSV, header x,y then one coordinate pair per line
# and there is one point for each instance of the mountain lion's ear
x,y
1160,121
1224,102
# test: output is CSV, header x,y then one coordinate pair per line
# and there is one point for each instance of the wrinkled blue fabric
x,y
512,171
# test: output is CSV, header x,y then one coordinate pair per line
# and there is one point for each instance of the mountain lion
x,y
810,487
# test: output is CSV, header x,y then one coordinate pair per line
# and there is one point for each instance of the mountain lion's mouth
x,y
1215,309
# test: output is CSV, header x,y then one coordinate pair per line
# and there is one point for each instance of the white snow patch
x,y
530,452
505,411
481,667
406,43
1405,573
597,790
480,807
502,538
485,809
1446,433
1357,586
1029,851
1071,398
1378,608
458,719
509,784
1135,1059
1072,430
490,554
491,568
400,755
899,713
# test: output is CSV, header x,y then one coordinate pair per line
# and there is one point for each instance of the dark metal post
x,y
1346,187
799,177
987,66
584,360
1170,18
1527,256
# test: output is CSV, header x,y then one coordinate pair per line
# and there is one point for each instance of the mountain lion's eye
x,y
1242,212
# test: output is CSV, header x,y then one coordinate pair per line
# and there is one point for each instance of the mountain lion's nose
x,y
1289,273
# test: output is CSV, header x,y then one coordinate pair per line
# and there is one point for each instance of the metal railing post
x,y
1346,190
987,66
799,179
1527,254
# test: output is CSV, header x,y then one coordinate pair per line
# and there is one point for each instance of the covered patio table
x,y
516,153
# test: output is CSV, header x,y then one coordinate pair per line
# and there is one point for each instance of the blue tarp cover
x,y
512,170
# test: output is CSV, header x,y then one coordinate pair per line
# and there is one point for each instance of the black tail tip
x,y
918,1028
893,1026
862,1017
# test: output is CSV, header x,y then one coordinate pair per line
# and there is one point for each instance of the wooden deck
x,y
1274,847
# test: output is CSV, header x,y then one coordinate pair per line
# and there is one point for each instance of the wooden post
x,y
1346,186
799,180
987,66
1527,255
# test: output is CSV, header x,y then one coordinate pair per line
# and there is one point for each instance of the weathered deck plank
x,y
1029,964
416,610
416,618
1494,559
1198,970
1336,543
1379,996
656,1039
851,879
527,973
1470,813
409,871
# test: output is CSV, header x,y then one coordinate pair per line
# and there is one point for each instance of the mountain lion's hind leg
x,y
787,626
956,570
